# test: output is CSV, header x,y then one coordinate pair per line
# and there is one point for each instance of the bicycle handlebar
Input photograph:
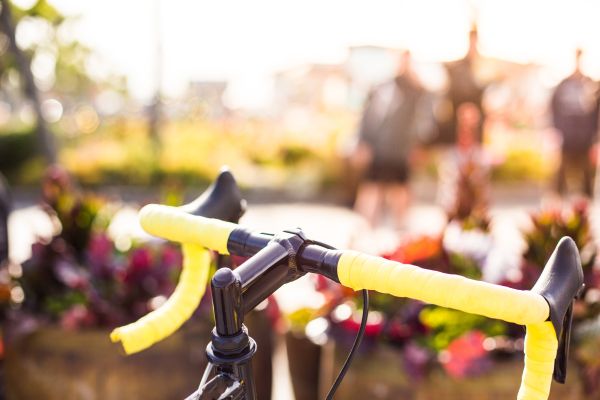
x,y
221,200
361,271
174,224
357,270
164,321
545,310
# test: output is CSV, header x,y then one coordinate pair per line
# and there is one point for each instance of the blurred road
x,y
335,225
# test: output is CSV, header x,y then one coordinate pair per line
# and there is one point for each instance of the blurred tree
x,y
38,45
21,62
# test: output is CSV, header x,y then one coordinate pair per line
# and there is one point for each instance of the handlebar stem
x,y
231,349
270,268
275,260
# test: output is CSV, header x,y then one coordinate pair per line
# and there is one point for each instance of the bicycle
x,y
276,259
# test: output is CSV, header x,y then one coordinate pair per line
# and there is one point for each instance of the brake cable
x,y
357,341
359,336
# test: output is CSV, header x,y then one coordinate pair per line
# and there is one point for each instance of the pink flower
x,y
77,317
170,257
100,249
415,360
69,274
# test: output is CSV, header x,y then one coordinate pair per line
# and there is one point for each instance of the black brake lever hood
x,y
560,283
222,200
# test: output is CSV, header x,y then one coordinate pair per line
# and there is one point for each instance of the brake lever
x,y
562,353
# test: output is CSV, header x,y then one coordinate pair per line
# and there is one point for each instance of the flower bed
x,y
422,351
82,282
380,373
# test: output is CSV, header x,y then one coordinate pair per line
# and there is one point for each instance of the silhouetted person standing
x,y
575,117
464,86
395,116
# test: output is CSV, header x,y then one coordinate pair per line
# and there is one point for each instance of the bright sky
x,y
245,41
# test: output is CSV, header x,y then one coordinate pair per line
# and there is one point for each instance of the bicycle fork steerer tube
x,y
275,261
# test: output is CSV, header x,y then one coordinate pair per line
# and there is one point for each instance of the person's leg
x,y
587,176
397,197
560,184
369,201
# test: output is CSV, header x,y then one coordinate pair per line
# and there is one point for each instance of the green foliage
x,y
384,303
70,73
447,324
551,224
191,152
464,265
293,154
80,278
54,306
523,164
298,319
16,149
41,9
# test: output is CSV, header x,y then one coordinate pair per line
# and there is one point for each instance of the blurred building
x,y
319,87
205,98
323,87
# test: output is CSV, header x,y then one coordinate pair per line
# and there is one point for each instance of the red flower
x,y
416,249
466,355
140,260
140,264
374,324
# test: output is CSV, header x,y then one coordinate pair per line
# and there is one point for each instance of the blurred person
x,y
395,115
464,86
575,109
464,174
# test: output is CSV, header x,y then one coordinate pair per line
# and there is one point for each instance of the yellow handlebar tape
x,y
164,321
540,350
195,233
361,271
174,224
